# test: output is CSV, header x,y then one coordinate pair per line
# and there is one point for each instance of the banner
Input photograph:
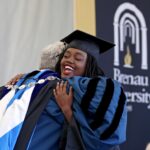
x,y
126,23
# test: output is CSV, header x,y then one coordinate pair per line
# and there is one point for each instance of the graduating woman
x,y
87,110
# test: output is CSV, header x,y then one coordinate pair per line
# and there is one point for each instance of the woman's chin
x,y
66,75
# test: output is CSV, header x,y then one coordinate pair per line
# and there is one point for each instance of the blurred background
x,y
26,27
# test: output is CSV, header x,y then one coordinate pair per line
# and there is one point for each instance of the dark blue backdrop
x,y
133,67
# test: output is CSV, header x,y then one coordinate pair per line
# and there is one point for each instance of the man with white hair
x,y
49,55
48,59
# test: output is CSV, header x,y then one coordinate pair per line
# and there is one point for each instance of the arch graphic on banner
x,y
136,25
128,24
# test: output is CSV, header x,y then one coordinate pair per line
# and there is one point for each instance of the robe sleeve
x,y
74,139
100,109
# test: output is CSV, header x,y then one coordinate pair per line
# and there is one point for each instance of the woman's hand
x,y
64,99
14,79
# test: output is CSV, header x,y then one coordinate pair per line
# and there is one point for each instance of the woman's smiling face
x,y
73,63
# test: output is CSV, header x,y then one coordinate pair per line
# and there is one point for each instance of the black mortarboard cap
x,y
88,43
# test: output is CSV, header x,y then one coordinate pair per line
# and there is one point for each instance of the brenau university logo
x,y
130,37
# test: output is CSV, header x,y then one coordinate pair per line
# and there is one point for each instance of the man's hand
x,y
14,79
